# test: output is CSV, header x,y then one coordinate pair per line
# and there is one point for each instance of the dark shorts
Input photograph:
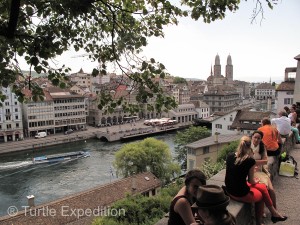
x,y
273,153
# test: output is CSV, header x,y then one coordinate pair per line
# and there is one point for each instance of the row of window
x,y
41,116
40,110
39,104
7,103
66,114
205,150
68,107
8,126
8,110
41,123
68,100
221,98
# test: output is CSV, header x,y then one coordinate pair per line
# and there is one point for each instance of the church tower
x,y
229,71
217,66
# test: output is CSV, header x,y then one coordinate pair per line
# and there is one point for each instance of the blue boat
x,y
60,157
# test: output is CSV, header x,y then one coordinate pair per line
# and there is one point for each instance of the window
x,y
206,150
191,151
17,117
6,103
228,127
288,101
230,118
219,126
17,125
16,110
8,126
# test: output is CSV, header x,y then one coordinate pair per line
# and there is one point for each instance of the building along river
x,y
20,178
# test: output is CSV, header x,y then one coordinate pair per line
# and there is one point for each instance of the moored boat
x,y
60,157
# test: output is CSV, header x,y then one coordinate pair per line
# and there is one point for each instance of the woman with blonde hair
x,y
242,185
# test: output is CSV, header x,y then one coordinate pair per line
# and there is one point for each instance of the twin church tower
x,y
216,78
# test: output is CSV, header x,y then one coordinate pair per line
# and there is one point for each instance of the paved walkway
x,y
288,195
53,139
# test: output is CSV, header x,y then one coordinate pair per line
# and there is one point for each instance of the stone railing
x,y
243,212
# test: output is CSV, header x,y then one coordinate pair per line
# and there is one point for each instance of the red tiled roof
x,y
249,116
286,86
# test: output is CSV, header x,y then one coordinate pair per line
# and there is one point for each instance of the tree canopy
x,y
185,137
108,31
148,155
179,80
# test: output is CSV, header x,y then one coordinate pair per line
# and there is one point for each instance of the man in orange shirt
x,y
272,139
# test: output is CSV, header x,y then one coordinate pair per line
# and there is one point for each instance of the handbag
x,y
287,168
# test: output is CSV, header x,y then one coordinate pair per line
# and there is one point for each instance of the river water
x,y
20,178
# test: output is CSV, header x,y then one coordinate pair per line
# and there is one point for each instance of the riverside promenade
x,y
91,132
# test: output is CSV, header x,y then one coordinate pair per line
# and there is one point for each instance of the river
x,y
20,178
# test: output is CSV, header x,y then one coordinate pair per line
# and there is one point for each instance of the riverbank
x,y
129,132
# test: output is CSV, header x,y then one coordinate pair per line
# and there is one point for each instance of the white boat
x,y
60,157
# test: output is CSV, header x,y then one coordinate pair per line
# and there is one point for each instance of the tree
x,y
148,155
188,136
179,80
111,32
231,147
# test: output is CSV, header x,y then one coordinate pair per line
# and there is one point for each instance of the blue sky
x,y
259,51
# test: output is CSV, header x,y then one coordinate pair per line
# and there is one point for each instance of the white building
x,y
222,124
285,90
11,127
202,108
82,79
264,91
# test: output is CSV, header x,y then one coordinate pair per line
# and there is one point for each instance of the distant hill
x,y
193,79
34,74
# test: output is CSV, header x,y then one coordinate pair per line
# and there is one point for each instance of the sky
x,y
260,51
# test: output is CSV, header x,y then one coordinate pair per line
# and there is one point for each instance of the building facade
x,y
222,124
60,111
11,127
207,149
221,98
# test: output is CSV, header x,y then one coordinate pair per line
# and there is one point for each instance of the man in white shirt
x,y
283,123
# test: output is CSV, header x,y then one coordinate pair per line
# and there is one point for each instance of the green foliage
x,y
210,169
111,32
179,80
147,155
231,147
140,209
185,137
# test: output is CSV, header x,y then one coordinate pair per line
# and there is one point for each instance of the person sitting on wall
x,y
180,209
282,123
211,205
241,184
292,124
261,159
293,115
271,138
